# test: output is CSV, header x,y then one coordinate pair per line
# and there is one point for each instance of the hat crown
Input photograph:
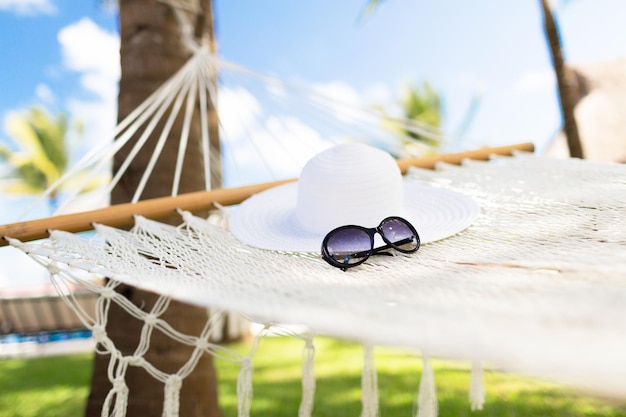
x,y
348,184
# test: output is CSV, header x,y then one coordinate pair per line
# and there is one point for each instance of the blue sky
x,y
63,54
490,47
487,47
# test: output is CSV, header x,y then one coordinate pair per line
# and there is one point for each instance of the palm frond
x,y
85,181
29,143
17,186
369,8
42,145
51,132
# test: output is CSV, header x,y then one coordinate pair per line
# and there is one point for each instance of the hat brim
x,y
266,220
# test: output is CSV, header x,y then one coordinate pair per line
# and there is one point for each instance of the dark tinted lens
x,y
348,246
400,234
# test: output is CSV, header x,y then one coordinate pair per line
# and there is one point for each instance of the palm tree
x,y
418,129
564,76
42,156
422,104
564,80
152,49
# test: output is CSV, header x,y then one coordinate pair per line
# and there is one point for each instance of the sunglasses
x,y
348,246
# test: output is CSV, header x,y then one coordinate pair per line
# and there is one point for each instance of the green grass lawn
x,y
58,386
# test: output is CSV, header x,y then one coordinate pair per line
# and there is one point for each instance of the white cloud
x,y
44,93
264,141
28,7
378,94
5,120
94,53
342,100
262,146
471,82
238,110
534,81
339,92
348,104
89,49
98,118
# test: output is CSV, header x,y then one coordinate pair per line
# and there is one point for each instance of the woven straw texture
x,y
536,285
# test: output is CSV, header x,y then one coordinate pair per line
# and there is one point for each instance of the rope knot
x,y
107,292
151,319
119,385
53,269
174,381
246,363
135,360
202,344
99,333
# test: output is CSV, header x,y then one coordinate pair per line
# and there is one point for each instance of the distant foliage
x,y
40,155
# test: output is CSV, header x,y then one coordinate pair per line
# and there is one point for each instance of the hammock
x,y
535,285
259,144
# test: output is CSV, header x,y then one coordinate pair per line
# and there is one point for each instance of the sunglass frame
x,y
371,232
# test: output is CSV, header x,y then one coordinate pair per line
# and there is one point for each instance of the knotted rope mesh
x,y
536,285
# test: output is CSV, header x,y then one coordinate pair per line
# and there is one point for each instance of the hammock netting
x,y
268,129
535,285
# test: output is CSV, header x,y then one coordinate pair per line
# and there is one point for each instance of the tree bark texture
x,y
151,51
564,81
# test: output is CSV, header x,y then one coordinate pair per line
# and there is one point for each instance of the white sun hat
x,y
348,184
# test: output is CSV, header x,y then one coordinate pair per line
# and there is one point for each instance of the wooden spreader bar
x,y
121,215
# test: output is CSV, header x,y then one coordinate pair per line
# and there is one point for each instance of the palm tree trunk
x,y
151,51
565,94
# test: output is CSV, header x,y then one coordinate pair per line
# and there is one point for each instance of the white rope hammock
x,y
273,142
535,285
